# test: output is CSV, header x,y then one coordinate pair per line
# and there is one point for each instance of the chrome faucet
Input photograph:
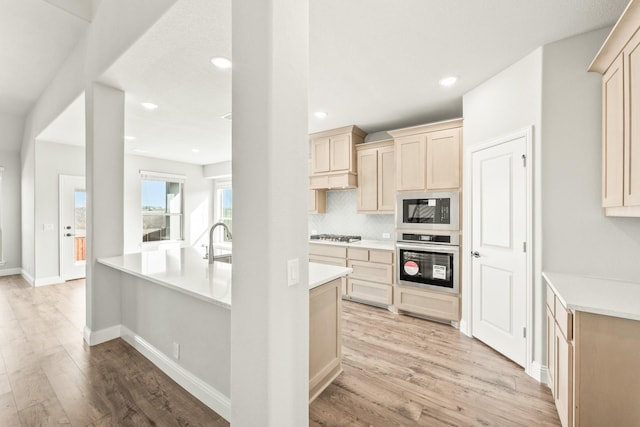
x,y
227,233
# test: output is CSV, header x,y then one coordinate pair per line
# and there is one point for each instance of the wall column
x,y
269,319
105,207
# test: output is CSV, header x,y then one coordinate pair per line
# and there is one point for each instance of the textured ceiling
x,y
373,63
35,38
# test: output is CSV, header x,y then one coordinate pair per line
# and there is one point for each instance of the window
x,y
162,206
224,206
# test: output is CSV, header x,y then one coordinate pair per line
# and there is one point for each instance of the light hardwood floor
x,y
398,371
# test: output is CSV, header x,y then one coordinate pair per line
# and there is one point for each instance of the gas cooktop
x,y
335,238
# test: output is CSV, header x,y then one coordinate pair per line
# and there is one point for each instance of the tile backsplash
x,y
342,218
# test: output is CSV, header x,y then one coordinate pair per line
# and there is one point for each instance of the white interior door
x,y
499,234
73,215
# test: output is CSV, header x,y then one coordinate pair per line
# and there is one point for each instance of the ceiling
x,y
35,38
373,63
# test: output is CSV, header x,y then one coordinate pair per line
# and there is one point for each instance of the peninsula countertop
x,y
596,295
185,270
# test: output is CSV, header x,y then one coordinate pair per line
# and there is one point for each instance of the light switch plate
x,y
293,272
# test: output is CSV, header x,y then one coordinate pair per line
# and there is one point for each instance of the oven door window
x,y
426,211
426,267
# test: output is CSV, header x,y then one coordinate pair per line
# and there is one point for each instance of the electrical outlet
x,y
386,235
176,350
48,227
293,272
314,231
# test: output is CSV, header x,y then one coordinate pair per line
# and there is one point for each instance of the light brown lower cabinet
x,y
594,366
427,303
325,336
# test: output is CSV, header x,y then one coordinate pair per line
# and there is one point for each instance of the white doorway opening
x,y
73,220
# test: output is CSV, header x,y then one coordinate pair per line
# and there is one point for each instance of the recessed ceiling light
x,y
195,150
129,138
448,81
221,62
226,116
149,105
320,114
139,150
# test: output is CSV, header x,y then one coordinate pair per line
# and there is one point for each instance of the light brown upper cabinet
x,y
376,177
619,63
428,157
333,162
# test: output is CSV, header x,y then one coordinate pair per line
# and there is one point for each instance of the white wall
x,y
198,201
510,101
52,160
10,161
11,127
578,238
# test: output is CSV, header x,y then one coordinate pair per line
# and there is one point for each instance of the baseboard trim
x,y
102,335
539,372
464,328
26,276
194,385
10,271
46,281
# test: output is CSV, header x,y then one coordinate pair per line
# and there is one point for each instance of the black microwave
x,y
428,211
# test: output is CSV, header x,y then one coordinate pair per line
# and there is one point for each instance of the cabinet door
x,y
320,149
411,161
367,180
613,135
341,152
386,179
443,159
563,378
551,353
317,201
632,114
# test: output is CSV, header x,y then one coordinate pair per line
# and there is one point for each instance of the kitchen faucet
x,y
213,227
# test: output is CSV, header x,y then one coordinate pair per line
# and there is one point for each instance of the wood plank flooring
x,y
50,377
398,371
404,371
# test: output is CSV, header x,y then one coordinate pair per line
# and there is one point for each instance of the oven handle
x,y
431,248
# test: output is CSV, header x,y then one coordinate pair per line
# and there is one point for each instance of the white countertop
x,y
184,270
599,296
385,245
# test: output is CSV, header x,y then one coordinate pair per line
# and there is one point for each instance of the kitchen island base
x,y
325,336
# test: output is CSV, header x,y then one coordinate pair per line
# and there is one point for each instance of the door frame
x,y
61,179
466,322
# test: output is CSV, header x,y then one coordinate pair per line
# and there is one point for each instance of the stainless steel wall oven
x,y
428,261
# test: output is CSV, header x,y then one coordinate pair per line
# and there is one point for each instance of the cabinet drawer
x,y
341,262
440,306
382,257
381,273
551,300
358,254
565,320
328,250
369,291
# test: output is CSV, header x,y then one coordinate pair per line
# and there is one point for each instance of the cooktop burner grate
x,y
335,238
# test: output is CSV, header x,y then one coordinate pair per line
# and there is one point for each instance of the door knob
x,y
69,235
475,254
